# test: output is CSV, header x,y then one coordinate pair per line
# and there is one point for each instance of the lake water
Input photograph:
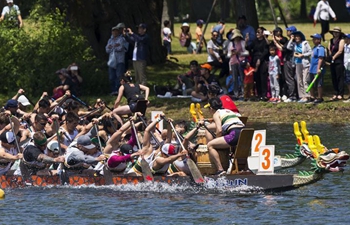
x,y
325,202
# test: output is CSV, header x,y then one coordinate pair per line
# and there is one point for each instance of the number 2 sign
x,y
259,139
266,159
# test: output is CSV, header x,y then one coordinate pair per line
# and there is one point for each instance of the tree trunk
x,y
224,9
286,11
303,13
204,7
247,8
96,18
340,11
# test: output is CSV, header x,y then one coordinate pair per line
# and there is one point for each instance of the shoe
x,y
284,98
319,100
220,173
289,100
272,100
303,100
347,100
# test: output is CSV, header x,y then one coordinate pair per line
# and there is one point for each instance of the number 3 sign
x,y
266,159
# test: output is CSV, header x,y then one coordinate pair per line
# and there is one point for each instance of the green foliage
x,y
30,56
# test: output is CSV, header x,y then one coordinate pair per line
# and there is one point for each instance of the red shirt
x,y
227,103
249,78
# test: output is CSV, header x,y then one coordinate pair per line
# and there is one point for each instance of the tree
x,y
247,8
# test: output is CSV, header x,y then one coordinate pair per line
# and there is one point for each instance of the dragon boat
x,y
240,175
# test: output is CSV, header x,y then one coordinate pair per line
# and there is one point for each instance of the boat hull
x,y
275,182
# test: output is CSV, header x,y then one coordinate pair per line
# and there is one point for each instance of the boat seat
x,y
242,150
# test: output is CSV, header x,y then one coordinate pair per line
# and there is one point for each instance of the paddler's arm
x,y
218,124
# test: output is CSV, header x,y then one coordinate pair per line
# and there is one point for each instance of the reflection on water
x,y
324,202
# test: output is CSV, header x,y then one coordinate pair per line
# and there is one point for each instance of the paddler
x,y
228,127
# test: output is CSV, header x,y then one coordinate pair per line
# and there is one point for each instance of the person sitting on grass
x,y
201,84
132,92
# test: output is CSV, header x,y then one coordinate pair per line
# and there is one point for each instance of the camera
x,y
73,68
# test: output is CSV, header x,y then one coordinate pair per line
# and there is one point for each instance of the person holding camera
x,y
74,74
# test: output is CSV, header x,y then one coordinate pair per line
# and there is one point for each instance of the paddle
x,y
80,101
146,171
24,170
62,174
59,104
154,138
196,174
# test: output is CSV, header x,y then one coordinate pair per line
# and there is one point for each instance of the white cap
x,y
9,1
53,146
23,100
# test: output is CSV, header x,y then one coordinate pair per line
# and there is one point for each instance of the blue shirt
x,y
317,53
298,49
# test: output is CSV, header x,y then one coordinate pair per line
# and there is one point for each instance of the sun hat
x,y
23,100
206,66
300,34
316,35
336,30
7,137
236,33
169,149
185,25
85,141
120,26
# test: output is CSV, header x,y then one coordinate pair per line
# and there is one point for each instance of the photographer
x,y
74,73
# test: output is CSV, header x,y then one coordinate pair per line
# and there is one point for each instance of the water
x,y
324,202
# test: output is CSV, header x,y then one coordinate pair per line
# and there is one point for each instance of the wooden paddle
x,y
146,171
196,174
153,137
24,170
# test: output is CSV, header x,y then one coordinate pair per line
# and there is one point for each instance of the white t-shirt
x,y
166,34
323,10
6,10
347,56
215,48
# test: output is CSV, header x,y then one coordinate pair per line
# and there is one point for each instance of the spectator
x,y
188,78
248,81
220,29
167,36
236,50
279,41
65,84
74,74
141,43
347,5
11,15
317,62
259,49
213,49
246,30
302,53
288,66
274,73
199,34
322,13
186,39
347,63
335,48
116,48
202,83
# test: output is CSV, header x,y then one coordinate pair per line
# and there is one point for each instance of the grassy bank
x,y
177,109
